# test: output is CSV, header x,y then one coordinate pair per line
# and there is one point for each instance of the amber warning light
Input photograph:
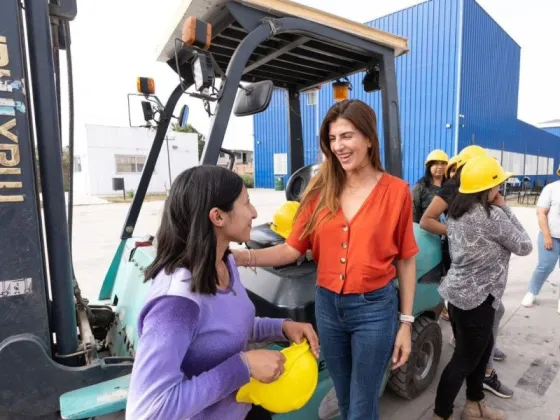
x,y
341,90
197,33
145,86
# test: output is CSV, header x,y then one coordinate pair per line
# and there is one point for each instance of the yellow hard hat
x,y
283,219
452,161
292,390
468,153
437,155
482,173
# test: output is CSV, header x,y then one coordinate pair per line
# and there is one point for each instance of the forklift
x,y
63,356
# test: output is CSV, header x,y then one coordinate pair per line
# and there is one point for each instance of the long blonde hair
x,y
326,187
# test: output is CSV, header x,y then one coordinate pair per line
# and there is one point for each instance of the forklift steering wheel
x,y
299,181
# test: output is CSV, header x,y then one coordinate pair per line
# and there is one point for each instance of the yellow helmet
x,y
292,390
436,155
452,161
283,219
482,173
468,153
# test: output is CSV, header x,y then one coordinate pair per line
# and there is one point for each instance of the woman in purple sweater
x,y
198,320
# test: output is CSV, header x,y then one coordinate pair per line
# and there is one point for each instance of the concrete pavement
x,y
529,337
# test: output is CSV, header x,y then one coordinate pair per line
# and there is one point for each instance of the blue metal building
x,y
552,127
458,85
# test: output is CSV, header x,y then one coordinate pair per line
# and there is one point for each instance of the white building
x,y
121,152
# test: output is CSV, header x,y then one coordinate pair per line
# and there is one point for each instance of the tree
x,y
190,129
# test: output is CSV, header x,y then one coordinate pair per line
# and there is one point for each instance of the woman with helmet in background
x,y
427,186
483,233
430,221
357,220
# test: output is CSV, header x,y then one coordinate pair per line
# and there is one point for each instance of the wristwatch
x,y
407,318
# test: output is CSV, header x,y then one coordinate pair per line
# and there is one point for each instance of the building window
x,y
280,164
312,97
130,163
77,164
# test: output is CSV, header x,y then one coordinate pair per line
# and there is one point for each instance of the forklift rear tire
x,y
420,369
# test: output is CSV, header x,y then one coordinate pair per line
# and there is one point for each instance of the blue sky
x,y
111,49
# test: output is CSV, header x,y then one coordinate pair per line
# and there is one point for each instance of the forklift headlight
x,y
202,71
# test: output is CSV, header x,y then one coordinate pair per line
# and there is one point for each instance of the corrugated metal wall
x,y
553,130
489,77
489,97
271,136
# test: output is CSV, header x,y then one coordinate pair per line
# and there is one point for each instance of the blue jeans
x,y
547,261
357,335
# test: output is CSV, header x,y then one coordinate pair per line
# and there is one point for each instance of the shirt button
x,y
344,245
345,228
343,260
342,276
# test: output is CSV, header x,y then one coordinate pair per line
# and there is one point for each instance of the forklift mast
x,y
39,341
24,287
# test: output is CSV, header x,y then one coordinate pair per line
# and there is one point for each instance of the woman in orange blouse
x,y
357,220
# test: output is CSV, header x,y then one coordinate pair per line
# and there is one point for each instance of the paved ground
x,y
530,337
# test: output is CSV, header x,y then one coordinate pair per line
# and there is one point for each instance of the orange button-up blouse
x,y
357,256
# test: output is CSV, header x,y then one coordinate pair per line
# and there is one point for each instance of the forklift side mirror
x,y
184,116
147,111
253,98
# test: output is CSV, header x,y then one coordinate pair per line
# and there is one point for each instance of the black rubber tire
x,y
403,381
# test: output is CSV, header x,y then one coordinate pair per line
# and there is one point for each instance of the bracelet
x,y
251,257
407,318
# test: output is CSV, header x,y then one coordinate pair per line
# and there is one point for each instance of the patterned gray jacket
x,y
480,248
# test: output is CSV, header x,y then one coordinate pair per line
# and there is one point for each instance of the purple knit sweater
x,y
188,363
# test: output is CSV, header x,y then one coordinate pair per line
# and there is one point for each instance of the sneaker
x,y
493,384
499,355
528,300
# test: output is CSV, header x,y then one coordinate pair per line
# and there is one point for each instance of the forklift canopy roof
x,y
287,59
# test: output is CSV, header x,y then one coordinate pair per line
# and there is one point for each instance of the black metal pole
x,y
148,170
50,161
234,72
296,131
168,160
391,118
